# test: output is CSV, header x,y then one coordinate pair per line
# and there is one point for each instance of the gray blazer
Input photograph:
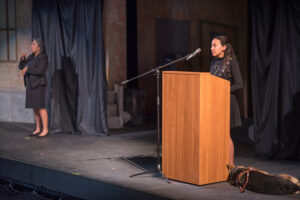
x,y
36,72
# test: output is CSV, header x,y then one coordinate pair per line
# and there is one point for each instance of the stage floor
x,y
98,160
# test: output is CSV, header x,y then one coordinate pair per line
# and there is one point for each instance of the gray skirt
x,y
35,98
235,115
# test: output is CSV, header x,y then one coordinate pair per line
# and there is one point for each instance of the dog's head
x,y
234,171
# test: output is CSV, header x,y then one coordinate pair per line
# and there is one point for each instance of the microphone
x,y
193,54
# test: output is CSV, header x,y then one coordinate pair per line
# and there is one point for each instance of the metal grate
x,y
12,191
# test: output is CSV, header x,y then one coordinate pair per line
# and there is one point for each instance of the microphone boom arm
x,y
163,66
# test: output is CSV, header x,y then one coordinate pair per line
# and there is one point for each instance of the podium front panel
x,y
181,115
195,127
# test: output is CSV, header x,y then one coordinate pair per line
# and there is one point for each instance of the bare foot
x,y
43,133
36,131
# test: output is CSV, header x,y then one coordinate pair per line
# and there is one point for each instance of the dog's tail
x,y
298,184
292,179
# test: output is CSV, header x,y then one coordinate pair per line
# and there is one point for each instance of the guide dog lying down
x,y
261,182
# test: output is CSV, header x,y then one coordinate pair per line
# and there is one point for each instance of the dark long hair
x,y
228,53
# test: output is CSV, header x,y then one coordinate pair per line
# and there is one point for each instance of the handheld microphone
x,y
193,54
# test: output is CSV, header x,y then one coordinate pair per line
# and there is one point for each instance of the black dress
x,y
35,80
235,78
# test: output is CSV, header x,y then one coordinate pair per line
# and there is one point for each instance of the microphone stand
x,y
156,71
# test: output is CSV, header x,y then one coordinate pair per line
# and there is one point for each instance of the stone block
x,y
111,97
134,104
112,110
113,122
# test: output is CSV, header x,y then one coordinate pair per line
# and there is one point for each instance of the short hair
x,y
40,43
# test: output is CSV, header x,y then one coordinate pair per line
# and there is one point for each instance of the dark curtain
x,y
77,89
275,76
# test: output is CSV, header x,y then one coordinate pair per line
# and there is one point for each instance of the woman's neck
x,y
36,53
221,55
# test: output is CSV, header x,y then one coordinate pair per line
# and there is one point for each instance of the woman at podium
x,y
225,65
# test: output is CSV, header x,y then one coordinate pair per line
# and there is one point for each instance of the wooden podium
x,y
195,127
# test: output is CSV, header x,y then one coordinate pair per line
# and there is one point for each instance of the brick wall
x,y
10,77
114,23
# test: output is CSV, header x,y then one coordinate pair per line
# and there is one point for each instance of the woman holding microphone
x,y
33,68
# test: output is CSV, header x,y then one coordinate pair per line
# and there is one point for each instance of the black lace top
x,y
217,68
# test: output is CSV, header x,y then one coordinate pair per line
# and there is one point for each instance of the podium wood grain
x,y
195,127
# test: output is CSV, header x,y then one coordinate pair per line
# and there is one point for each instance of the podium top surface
x,y
185,72
203,74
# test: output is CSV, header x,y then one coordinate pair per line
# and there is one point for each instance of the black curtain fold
x,y
77,90
275,77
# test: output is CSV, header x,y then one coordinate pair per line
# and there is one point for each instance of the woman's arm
x,y
237,81
24,61
39,66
